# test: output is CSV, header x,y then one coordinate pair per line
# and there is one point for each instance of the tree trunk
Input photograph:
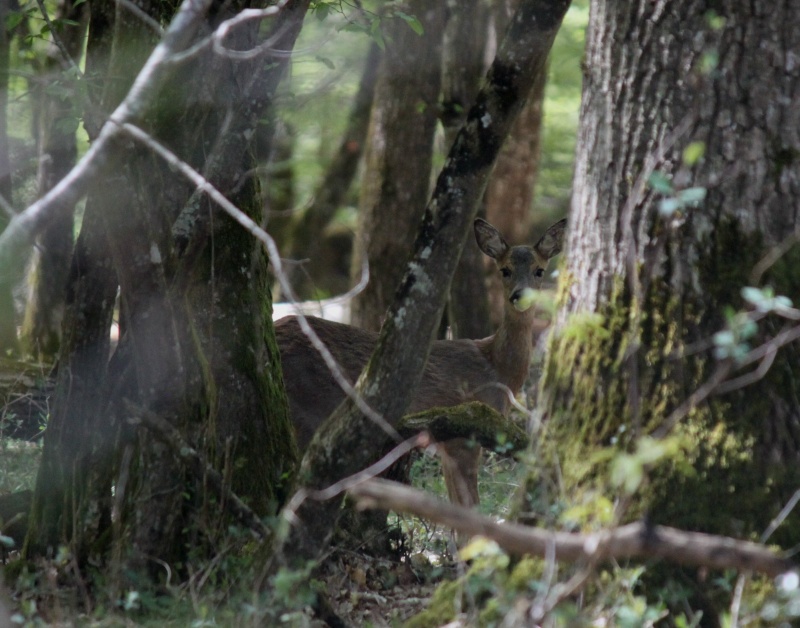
x,y
398,159
705,94
346,442
57,123
509,195
199,349
308,230
8,324
71,502
476,300
465,41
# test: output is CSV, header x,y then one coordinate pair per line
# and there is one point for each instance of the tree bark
x,y
346,442
706,95
464,67
8,325
510,192
71,502
476,299
398,159
199,349
58,151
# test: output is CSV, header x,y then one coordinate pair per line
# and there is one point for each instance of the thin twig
x,y
772,256
66,57
698,396
345,484
225,27
132,8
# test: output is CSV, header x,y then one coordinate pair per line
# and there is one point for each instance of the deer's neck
x,y
509,350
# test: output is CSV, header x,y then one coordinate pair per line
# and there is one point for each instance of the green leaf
x,y
321,11
709,62
14,19
627,473
668,206
660,182
693,153
715,20
782,303
377,34
724,338
692,196
412,22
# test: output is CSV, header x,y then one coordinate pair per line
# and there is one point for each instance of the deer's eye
x,y
539,272
506,272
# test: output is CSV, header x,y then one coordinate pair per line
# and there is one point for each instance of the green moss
x,y
730,475
440,609
468,420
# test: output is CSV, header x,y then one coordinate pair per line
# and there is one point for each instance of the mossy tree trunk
x,y
398,159
198,348
705,94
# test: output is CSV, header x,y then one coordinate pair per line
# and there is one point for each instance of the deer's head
x,y
521,267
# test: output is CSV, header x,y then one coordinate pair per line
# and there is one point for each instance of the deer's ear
x,y
549,245
489,239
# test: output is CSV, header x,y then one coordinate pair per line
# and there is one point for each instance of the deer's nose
x,y
522,298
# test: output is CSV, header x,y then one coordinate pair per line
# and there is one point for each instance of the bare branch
x,y
698,396
772,256
142,15
346,484
634,540
21,230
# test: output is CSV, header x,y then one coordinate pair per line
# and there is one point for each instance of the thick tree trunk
x,y
399,154
199,349
706,94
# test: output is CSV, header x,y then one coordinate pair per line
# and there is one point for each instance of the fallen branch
x,y
635,540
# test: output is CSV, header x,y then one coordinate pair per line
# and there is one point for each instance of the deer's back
x,y
456,371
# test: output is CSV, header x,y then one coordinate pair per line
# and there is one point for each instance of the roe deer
x,y
457,370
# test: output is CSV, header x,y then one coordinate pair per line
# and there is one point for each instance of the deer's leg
x,y
460,462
